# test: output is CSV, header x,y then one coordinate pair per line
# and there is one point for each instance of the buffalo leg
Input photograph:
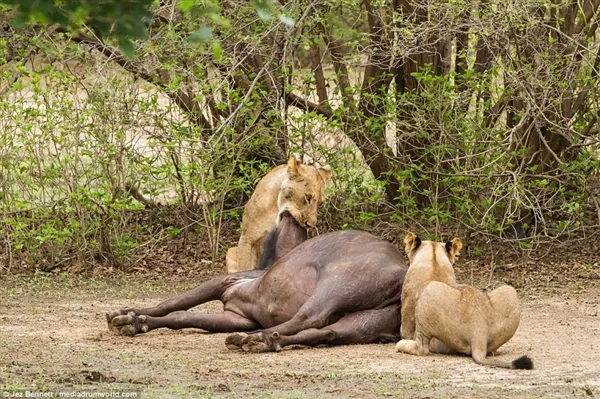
x,y
369,326
132,324
317,312
210,290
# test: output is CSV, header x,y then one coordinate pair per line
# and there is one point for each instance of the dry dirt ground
x,y
53,335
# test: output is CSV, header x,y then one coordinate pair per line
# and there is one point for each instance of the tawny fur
x,y
445,317
428,262
297,188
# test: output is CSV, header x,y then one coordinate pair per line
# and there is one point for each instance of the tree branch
x,y
183,99
492,114
589,9
462,46
578,103
337,51
317,68
370,138
308,106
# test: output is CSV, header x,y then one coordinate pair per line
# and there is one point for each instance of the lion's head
x,y
303,192
415,249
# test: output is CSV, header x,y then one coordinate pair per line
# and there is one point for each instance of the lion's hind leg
x,y
437,346
231,260
247,257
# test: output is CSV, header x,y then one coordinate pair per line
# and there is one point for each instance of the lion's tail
x,y
522,363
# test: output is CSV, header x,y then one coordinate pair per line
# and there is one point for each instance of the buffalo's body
x,y
338,288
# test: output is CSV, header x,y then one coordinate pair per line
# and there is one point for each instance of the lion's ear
x,y
293,166
411,243
326,173
448,246
453,247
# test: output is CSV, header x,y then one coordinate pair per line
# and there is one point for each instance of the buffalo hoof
x,y
115,313
128,324
234,341
261,342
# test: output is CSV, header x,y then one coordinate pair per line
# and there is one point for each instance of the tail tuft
x,y
523,363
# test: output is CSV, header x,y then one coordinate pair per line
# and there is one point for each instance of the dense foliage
x,y
124,20
471,115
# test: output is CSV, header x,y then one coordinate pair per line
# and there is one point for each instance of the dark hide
x,y
287,235
339,288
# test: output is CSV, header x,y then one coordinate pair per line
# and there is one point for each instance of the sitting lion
x,y
426,265
444,317
296,188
